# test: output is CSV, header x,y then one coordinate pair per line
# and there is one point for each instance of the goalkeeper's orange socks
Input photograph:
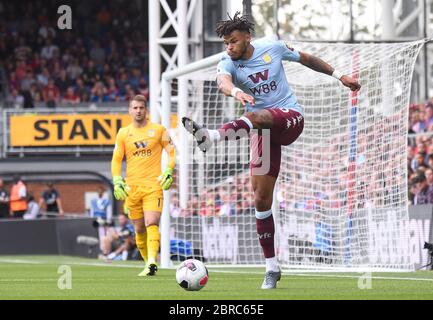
x,y
266,230
141,241
153,240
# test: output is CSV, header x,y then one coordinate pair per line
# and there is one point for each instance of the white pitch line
x,y
19,261
96,264
108,264
357,277
325,276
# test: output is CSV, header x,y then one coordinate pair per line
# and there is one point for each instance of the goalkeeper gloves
x,y
121,189
166,179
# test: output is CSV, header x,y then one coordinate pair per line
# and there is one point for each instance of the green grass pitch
x,y
37,277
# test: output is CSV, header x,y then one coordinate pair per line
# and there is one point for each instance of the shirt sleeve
x,y
225,66
118,154
288,52
168,146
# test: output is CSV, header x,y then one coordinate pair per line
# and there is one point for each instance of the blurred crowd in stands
x,y
221,201
104,58
225,200
420,153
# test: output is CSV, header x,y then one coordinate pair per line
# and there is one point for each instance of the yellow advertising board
x,y
33,130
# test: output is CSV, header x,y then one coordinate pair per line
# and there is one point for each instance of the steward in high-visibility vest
x,y
18,198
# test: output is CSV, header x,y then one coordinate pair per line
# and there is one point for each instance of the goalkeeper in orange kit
x,y
142,190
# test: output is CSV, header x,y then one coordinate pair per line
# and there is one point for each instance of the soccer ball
x,y
192,275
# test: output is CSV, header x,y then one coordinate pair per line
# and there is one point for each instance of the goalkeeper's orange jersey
x,y
143,149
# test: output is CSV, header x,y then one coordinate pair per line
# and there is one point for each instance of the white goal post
x,y
341,200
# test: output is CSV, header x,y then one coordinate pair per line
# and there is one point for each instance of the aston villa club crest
x,y
267,58
151,133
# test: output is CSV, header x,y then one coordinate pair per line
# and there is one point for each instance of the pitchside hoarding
x,y
233,240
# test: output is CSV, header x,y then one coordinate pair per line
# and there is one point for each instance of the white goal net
x,y
341,200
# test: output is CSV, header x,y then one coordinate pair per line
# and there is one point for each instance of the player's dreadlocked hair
x,y
238,22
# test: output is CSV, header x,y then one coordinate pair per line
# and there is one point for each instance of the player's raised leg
x,y
229,131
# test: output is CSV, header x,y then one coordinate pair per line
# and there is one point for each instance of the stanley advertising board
x,y
66,129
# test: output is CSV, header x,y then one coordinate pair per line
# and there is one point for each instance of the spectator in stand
x,y
134,79
90,74
70,97
46,31
66,57
33,209
43,77
423,194
421,146
22,51
227,207
51,201
418,124
62,82
28,100
207,208
429,149
112,91
74,70
195,206
104,17
99,93
130,94
417,161
81,90
28,80
21,70
97,54
14,83
35,62
175,210
4,200
144,88
131,60
50,50
429,177
430,161
122,82
51,94
55,68
35,93
16,99
18,198
428,116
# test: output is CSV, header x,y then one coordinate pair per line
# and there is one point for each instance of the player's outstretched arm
x,y
319,65
226,86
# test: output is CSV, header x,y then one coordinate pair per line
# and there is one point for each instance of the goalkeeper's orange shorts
x,y
266,155
142,199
